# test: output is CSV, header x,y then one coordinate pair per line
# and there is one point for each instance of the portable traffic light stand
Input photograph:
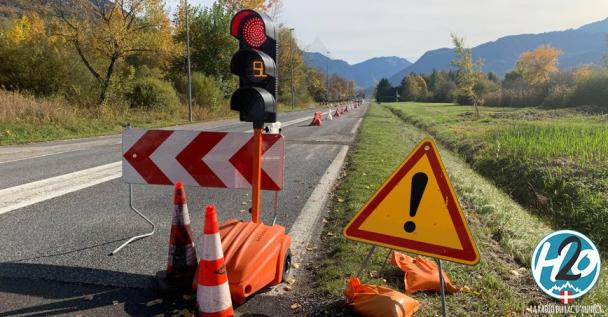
x,y
257,175
256,255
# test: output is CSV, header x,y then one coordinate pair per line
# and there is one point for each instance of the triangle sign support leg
x,y
135,238
442,286
364,264
385,260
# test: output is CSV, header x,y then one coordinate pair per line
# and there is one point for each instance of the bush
x,y
514,98
559,96
153,94
206,92
464,100
592,91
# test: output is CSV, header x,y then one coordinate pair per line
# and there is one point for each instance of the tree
x,y
432,81
537,66
267,6
467,73
384,91
413,88
291,67
105,33
582,72
211,45
444,88
315,84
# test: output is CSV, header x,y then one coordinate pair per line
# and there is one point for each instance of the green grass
x,y
551,161
505,232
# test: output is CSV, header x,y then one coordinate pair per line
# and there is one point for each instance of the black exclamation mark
x,y
418,185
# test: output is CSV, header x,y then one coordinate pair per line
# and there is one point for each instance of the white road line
x,y
301,232
38,156
28,153
35,192
31,193
356,127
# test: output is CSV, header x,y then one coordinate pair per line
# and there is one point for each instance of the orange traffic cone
x,y
316,120
181,265
213,291
337,113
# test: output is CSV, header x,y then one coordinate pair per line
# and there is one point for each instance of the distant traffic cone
x,y
329,116
316,119
337,113
181,265
213,292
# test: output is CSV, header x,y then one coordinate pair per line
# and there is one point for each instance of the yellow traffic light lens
x,y
258,69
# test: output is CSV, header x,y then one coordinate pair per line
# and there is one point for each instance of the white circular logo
x,y
566,265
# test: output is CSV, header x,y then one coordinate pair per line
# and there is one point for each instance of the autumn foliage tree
x,y
105,33
267,6
537,66
468,73
413,88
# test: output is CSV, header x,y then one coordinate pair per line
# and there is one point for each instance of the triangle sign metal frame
x,y
469,255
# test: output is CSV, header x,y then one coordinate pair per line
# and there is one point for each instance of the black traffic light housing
x,y
255,64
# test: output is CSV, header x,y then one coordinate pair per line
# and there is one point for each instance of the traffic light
x,y
255,64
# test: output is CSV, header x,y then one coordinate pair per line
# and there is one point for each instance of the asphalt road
x,y
54,253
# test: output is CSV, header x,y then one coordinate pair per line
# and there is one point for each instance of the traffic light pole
x,y
257,173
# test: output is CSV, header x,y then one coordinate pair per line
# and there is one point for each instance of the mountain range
x,y
364,74
587,44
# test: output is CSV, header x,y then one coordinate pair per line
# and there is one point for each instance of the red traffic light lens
x,y
254,32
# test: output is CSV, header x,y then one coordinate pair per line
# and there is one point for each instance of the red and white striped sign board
x,y
205,159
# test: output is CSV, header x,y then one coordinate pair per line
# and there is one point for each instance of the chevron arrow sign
x,y
205,159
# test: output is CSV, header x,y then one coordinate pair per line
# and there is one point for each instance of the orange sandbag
x,y
420,274
377,301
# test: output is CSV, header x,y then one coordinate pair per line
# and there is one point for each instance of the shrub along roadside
x,y
26,119
505,233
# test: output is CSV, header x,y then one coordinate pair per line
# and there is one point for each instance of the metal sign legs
x,y
135,238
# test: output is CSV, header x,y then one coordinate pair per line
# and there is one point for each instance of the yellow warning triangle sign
x,y
416,211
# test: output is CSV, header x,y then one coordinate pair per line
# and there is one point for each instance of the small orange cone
x,y
181,264
337,113
213,291
316,120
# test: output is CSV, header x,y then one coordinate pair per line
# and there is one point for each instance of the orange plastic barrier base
x,y
256,255
372,300
420,274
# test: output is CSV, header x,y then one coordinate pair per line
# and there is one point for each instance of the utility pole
x,y
188,58
291,53
327,72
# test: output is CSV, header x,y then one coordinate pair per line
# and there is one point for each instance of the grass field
x,y
551,161
505,232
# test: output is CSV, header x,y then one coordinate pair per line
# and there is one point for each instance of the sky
x,y
356,30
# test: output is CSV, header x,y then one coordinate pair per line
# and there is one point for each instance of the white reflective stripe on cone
x,y
191,255
212,247
213,299
181,212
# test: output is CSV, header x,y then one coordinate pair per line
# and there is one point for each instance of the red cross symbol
x,y
565,297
